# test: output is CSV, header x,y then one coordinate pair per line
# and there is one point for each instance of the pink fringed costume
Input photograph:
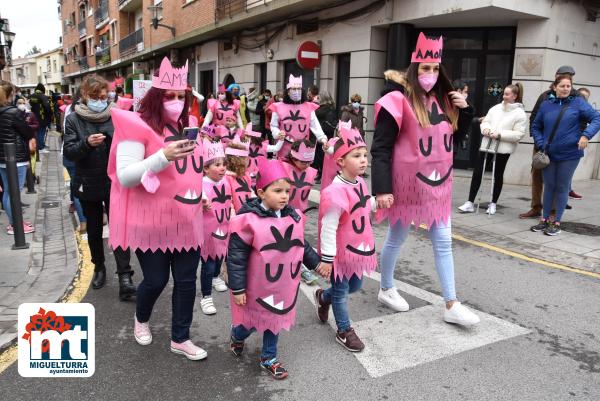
x,y
294,121
302,182
216,220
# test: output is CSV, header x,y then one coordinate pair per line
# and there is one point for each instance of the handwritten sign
x,y
140,87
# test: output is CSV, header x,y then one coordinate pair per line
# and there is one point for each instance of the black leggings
x,y
501,160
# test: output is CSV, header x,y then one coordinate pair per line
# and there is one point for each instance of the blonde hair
x,y
3,99
237,164
517,89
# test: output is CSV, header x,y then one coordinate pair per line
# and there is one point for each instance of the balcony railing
x,y
82,29
132,43
101,14
103,57
83,63
229,8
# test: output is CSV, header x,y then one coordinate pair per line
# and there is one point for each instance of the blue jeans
x,y
337,296
156,267
70,166
557,182
441,240
269,348
41,137
21,173
210,269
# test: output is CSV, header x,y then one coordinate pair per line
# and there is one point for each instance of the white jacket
x,y
510,121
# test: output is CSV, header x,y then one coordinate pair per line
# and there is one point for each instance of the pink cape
x,y
241,189
355,253
220,112
294,120
273,271
330,167
421,165
302,182
216,220
170,218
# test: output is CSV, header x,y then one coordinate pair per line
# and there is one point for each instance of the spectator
x,y
327,116
252,101
354,113
585,93
312,94
40,106
261,108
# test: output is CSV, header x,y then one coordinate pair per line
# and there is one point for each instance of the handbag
x,y
540,159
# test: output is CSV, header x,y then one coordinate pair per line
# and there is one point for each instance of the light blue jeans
x,y
21,173
441,240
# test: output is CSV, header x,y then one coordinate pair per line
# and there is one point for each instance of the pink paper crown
x,y
252,133
210,131
348,139
427,50
294,82
238,152
124,103
269,171
170,78
212,150
304,153
222,89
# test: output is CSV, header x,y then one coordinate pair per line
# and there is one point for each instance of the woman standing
x,y
328,120
354,113
502,129
414,123
88,135
562,114
223,108
156,202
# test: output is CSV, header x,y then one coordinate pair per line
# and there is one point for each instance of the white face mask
x,y
222,97
22,107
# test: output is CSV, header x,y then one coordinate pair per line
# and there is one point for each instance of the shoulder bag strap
x,y
560,115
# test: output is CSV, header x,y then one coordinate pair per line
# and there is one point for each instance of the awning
x,y
103,30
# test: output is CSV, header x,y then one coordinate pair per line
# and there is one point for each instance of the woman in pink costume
x,y
222,108
156,202
294,118
414,125
266,251
346,241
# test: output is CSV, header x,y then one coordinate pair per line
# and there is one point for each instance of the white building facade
x,y
23,73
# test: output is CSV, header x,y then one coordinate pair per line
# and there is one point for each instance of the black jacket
x,y
386,132
328,119
91,180
14,129
40,106
238,252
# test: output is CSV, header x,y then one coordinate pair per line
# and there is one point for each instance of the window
x,y
54,69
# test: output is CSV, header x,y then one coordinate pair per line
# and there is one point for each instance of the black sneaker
x,y
322,307
237,347
541,226
274,367
552,229
349,340
568,207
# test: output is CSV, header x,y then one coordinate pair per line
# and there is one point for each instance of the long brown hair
x,y
442,87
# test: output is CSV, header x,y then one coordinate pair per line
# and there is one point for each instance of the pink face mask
x,y
172,109
428,81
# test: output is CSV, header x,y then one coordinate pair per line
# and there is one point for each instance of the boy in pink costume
x,y
346,241
216,223
237,173
266,250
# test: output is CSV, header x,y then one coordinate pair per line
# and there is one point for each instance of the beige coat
x,y
510,121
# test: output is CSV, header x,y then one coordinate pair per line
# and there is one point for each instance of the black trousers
x,y
93,212
501,160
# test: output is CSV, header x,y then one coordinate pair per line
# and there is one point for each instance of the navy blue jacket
x,y
564,146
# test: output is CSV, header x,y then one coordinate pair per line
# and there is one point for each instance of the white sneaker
x,y
44,151
467,207
141,332
392,299
460,314
208,308
219,284
491,209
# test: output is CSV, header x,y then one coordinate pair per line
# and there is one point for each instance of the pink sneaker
x,y
28,229
141,332
188,349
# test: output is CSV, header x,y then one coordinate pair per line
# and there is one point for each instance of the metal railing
x,y
101,12
83,63
121,2
128,44
103,56
229,8
81,28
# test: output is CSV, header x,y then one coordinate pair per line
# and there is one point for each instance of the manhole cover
x,y
581,228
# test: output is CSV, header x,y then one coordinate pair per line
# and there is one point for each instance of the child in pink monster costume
x,y
216,223
346,241
258,150
266,250
330,166
222,108
156,202
414,125
237,173
294,118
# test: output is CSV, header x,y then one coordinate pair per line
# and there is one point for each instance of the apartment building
x,y
23,73
255,43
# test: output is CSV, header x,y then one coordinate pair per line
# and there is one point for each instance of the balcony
x,y
230,8
103,57
129,5
81,28
134,42
83,63
101,14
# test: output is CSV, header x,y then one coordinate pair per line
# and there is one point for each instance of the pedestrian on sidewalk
x,y
354,112
502,129
252,102
13,129
266,249
412,168
584,93
156,202
34,125
87,140
346,241
261,107
561,114
40,106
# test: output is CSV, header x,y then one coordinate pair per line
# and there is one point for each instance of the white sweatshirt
x,y
315,127
510,121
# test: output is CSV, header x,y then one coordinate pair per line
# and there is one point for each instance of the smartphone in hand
x,y
191,133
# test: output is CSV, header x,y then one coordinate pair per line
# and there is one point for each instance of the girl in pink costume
x,y
237,174
222,108
156,202
294,118
346,241
414,125
258,150
266,250
216,223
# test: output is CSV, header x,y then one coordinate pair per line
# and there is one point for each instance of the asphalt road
x,y
539,340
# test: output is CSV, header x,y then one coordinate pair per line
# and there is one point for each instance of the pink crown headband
x,y
294,82
170,78
212,150
269,171
304,153
222,88
252,133
238,152
209,131
348,140
427,50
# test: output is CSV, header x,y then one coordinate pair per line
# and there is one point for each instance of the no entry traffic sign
x,y
308,55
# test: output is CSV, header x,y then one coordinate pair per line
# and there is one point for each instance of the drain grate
x,y
50,202
581,228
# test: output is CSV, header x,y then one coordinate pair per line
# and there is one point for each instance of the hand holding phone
x,y
191,133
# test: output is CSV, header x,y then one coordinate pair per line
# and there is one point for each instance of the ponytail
x,y
517,89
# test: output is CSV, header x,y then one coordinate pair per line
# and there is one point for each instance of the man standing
x,y
40,106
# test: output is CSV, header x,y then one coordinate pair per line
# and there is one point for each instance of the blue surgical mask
x,y
97,106
356,105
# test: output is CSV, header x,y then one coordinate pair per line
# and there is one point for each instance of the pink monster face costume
x,y
222,111
216,220
294,119
355,253
255,153
422,157
302,180
274,265
165,212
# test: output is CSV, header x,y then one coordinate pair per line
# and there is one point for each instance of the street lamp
x,y
154,23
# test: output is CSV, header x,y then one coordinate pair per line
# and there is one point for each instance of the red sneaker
x,y
574,195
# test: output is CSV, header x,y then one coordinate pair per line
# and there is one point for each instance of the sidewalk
x,y
45,271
